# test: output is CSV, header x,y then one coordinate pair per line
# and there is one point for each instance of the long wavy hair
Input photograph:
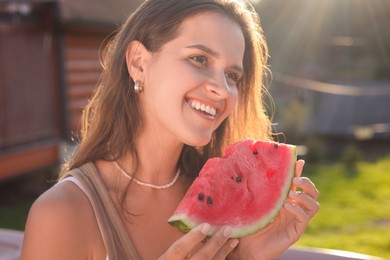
x,y
112,119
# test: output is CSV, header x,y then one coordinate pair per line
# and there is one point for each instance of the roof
x,y
350,109
26,1
363,117
111,12
97,12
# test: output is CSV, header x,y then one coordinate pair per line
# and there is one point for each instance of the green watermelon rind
x,y
183,223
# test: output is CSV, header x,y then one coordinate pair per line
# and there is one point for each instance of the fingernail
x,y
205,228
227,232
234,243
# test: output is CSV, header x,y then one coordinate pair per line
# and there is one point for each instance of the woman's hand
x,y
287,227
192,245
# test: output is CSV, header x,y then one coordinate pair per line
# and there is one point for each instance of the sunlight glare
x,y
255,2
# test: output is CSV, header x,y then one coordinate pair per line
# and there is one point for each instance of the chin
x,y
199,141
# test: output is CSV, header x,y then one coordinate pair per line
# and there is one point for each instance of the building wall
x,y
82,71
30,103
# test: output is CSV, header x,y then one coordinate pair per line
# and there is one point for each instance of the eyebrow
x,y
214,54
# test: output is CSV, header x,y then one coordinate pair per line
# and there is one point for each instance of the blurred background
x,y
330,88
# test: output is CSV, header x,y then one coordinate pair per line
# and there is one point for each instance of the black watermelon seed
x,y
200,196
209,200
276,146
238,179
255,152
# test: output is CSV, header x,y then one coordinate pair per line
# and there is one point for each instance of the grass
x,y
354,215
355,208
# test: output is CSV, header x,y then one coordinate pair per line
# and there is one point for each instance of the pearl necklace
x,y
165,186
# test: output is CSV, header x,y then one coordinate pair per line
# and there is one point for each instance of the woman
x,y
181,79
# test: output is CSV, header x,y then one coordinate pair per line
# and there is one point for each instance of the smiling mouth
x,y
203,107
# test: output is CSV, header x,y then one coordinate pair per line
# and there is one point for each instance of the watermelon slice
x,y
245,189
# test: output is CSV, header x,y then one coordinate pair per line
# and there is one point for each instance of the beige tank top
x,y
118,243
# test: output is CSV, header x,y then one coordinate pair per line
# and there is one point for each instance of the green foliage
x,y
14,216
350,159
294,115
316,150
17,196
355,211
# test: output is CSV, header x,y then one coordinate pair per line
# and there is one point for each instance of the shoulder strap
x,y
118,243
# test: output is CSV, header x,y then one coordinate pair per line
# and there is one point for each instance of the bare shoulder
x,y
60,225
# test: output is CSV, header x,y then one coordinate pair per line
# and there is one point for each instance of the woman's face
x,y
190,85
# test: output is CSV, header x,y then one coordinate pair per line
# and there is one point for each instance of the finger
x,y
305,201
298,212
186,244
214,244
226,249
298,223
307,186
299,168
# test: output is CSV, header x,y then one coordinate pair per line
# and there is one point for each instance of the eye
x,y
202,60
233,77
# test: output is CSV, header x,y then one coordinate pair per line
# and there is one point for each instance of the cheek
x,y
233,100
173,75
230,105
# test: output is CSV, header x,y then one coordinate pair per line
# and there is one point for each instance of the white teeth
x,y
205,108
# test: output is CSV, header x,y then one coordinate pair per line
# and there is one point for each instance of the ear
x,y
137,57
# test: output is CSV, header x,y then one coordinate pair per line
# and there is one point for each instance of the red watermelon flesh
x,y
245,189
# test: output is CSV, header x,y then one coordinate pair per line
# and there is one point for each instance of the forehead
x,y
214,30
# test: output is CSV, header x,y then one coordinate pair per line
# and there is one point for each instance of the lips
x,y
207,109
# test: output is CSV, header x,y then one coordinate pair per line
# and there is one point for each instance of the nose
x,y
219,87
